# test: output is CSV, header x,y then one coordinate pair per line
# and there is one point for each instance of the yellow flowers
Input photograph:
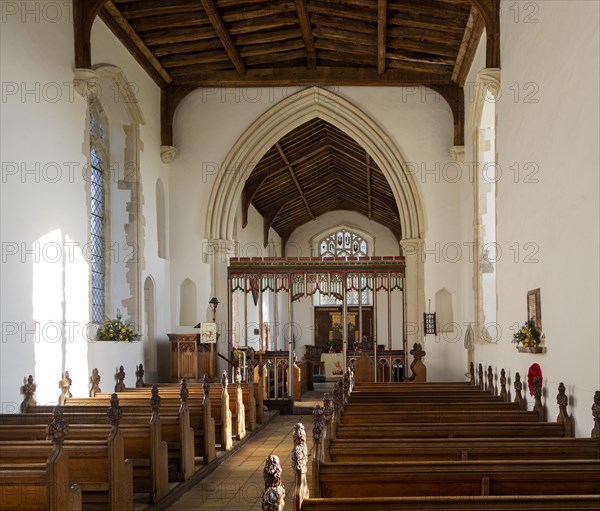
x,y
528,335
116,330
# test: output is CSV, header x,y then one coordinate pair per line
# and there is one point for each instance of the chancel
x,y
218,214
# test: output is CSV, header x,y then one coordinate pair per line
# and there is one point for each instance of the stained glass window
x,y
343,243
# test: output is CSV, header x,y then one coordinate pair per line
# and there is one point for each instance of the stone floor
x,y
238,482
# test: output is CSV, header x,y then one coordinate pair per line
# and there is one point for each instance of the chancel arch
x,y
311,109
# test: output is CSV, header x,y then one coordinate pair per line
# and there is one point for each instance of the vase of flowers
x,y
529,337
117,330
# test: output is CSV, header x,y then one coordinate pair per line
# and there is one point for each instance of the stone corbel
x,y
86,83
457,153
168,153
488,79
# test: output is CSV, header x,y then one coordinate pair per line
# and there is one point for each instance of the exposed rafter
x,y
381,35
293,175
468,47
223,34
124,31
84,13
309,42
490,11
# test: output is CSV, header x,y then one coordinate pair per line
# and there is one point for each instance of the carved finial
x,y
480,375
563,415
537,396
95,381
155,399
472,373
503,391
28,392
273,497
139,376
518,391
318,423
183,390
596,415
120,377
238,376
299,461
65,388
327,407
337,397
300,452
417,352
115,412
224,380
490,378
58,428
206,386
346,386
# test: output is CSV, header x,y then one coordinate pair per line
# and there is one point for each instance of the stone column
x,y
412,250
217,253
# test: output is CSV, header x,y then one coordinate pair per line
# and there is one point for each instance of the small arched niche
x,y
188,313
444,312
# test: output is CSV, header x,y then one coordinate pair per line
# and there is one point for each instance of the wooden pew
x,y
350,416
451,430
41,486
495,503
136,425
455,449
143,439
464,478
98,467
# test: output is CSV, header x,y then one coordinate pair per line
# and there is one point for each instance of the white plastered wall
x,y
45,223
547,213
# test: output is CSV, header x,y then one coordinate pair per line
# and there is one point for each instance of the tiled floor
x,y
238,483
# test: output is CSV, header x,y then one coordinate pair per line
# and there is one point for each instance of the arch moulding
x,y
284,117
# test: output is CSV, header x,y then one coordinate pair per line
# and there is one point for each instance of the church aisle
x,y
238,482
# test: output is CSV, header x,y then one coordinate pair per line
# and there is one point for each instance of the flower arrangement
x,y
528,335
116,330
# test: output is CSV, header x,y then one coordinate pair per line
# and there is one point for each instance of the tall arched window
x,y
97,207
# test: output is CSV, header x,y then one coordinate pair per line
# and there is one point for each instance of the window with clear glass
x,y
97,213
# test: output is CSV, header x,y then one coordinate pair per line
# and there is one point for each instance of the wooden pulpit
x,y
190,358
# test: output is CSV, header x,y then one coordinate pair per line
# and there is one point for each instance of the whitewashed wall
x,y
45,224
547,223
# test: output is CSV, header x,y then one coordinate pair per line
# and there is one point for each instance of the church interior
x,y
233,211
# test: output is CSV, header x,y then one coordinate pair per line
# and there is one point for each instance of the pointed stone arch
x,y
287,115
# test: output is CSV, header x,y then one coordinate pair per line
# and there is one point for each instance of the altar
x,y
333,364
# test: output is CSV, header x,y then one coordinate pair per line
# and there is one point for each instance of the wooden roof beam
x,y
117,23
381,35
309,42
84,13
468,47
490,11
223,35
322,76
291,170
268,220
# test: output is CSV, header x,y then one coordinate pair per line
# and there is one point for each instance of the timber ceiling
x,y
314,169
312,42
186,44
